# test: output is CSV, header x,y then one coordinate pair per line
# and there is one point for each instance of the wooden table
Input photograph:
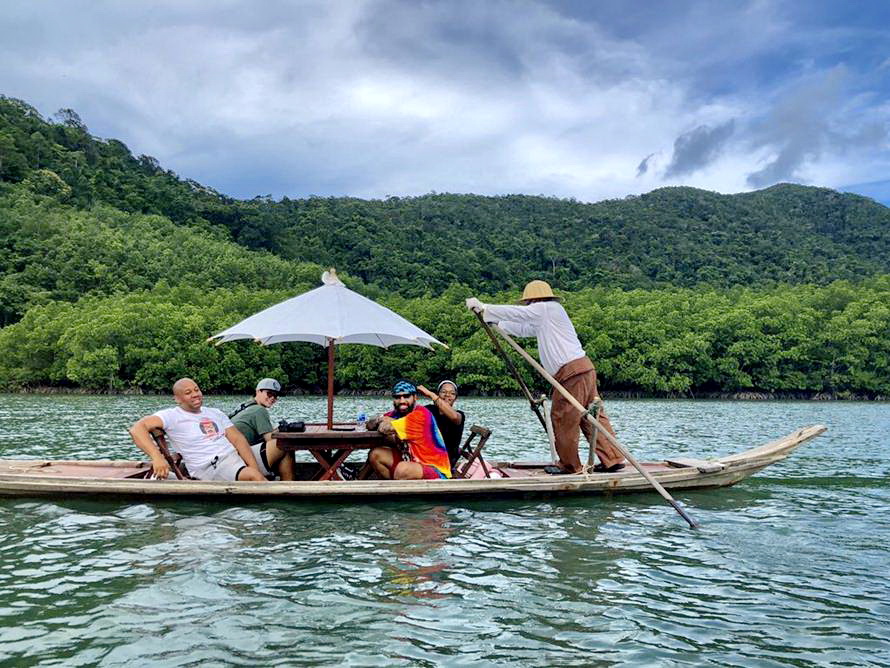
x,y
330,447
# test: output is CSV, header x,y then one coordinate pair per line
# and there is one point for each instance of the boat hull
x,y
106,478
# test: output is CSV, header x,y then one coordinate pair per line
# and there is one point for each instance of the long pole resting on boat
x,y
535,405
597,428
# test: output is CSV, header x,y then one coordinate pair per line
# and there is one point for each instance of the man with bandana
x,y
418,451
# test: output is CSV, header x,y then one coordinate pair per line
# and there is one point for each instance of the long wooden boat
x,y
109,478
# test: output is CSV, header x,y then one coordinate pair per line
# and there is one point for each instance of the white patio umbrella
x,y
329,315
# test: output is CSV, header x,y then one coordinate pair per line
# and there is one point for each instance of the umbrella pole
x,y
330,384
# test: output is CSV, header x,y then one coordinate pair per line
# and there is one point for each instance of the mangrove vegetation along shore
x,y
56,390
832,340
113,272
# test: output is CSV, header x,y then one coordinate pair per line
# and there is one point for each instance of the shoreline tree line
x,y
832,340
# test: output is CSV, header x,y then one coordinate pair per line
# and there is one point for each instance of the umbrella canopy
x,y
329,315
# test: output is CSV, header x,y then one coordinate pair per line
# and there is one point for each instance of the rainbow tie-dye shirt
x,y
425,444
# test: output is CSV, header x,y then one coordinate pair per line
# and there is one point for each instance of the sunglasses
x,y
402,396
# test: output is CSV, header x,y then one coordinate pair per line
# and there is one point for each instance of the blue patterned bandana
x,y
403,387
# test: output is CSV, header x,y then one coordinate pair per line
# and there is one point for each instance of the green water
x,y
790,568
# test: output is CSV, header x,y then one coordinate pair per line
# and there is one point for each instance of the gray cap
x,y
269,384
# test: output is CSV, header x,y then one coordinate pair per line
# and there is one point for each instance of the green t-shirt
x,y
253,422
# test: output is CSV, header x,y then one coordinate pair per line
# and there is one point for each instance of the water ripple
x,y
787,569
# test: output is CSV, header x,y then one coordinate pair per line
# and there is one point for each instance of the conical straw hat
x,y
538,290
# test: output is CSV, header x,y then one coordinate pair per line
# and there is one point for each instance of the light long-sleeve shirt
x,y
548,321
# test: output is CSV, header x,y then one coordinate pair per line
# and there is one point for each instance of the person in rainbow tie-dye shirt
x,y
427,456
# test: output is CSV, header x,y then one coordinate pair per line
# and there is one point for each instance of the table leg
x,y
365,471
331,466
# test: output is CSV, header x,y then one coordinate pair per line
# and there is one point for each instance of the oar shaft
x,y
577,404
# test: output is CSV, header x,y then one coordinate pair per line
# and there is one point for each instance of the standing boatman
x,y
542,316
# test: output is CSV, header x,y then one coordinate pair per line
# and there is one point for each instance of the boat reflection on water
x,y
416,538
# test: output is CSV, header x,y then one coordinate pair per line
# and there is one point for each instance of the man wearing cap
x,y
563,357
449,420
412,425
252,419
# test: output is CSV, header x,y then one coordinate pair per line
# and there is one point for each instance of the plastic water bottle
x,y
361,419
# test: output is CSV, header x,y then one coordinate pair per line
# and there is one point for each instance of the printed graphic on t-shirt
x,y
209,428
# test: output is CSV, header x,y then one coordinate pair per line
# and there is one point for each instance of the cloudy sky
x,y
585,99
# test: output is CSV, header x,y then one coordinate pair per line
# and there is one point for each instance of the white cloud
x,y
372,97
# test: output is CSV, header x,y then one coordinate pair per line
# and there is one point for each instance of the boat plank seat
x,y
519,470
702,465
142,474
102,469
472,453
174,459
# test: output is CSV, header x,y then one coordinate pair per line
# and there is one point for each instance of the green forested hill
x,y
671,236
63,160
53,252
113,272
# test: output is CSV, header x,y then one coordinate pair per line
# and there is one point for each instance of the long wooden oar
x,y
535,405
577,404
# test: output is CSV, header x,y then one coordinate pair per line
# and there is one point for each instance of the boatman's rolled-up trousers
x,y
579,378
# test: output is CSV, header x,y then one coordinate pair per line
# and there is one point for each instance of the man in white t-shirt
x,y
542,316
211,446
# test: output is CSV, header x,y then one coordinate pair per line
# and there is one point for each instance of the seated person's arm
x,y
444,407
383,424
141,435
375,423
236,438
